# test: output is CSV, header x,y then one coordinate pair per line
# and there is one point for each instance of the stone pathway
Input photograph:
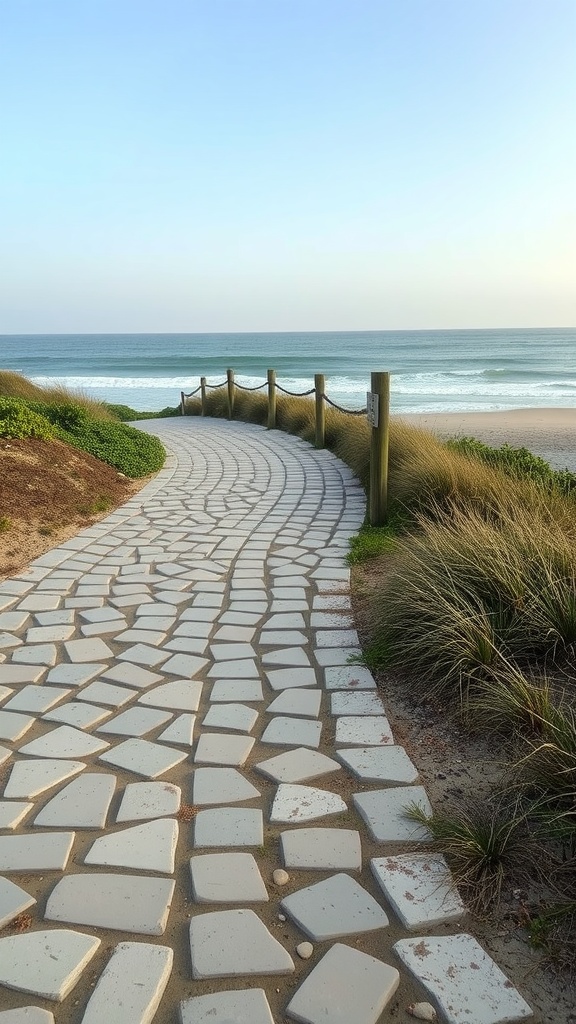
x,y
202,812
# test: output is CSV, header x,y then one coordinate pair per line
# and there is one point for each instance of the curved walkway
x,y
180,719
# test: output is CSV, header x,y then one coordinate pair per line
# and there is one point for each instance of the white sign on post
x,y
372,408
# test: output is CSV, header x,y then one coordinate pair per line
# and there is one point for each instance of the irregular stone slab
x,y
284,678
379,764
93,649
221,786
227,878
220,748
462,980
364,731
83,803
245,669
64,741
131,985
149,800
77,714
46,851
131,675
231,716
329,656
127,903
293,732
148,847
13,675
231,943
13,726
180,731
237,689
420,888
321,849
36,699
229,826
41,634
186,665
106,693
27,1015
74,675
8,640
13,901
180,695
30,778
384,811
349,677
12,812
143,757
304,803
281,637
243,1006
46,963
334,907
136,722
297,765
39,654
361,703
305,703
346,985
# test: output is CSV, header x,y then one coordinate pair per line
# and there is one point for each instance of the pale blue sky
x,y
212,165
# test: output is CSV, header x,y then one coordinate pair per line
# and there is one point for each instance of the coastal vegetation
x,y
471,598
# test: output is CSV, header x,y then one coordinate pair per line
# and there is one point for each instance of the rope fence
x,y
377,412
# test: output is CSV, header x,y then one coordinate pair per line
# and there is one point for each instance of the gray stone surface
x,y
347,985
180,731
221,748
321,849
236,717
420,888
13,725
83,803
143,800
349,677
304,803
44,851
179,695
228,826
26,1015
364,731
78,715
30,778
131,986
227,878
463,981
297,765
106,693
136,721
36,699
143,758
45,963
225,690
232,943
221,786
333,908
93,649
12,812
305,703
147,847
293,732
243,1006
131,675
64,741
13,901
379,764
284,678
127,903
343,702
384,811
74,675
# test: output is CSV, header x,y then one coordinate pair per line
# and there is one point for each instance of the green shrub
x,y
130,451
518,462
17,420
125,413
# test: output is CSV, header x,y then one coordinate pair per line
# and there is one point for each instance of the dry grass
x,y
14,385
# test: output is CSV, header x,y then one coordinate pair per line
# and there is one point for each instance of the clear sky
x,y
245,165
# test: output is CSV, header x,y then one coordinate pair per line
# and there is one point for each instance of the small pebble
x,y
422,1011
280,877
281,917
305,950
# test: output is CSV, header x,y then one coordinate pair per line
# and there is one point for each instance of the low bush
x,y
130,451
518,462
14,385
125,413
17,420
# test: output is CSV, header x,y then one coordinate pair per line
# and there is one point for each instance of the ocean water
x,y
432,371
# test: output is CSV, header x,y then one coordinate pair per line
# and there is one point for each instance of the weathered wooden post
x,y
182,404
230,386
320,385
271,399
378,400
203,395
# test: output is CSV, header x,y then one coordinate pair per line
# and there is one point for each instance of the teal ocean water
x,y
433,371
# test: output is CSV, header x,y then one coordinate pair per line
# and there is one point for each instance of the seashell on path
x,y
423,1011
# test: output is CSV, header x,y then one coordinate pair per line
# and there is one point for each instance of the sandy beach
x,y
550,433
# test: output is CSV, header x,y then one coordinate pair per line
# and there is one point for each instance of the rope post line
x,y
320,387
182,404
379,416
230,386
203,395
271,399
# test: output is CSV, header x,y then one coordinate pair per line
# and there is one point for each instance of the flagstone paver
x,y
181,639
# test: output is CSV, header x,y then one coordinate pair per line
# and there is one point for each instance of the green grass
x,y
518,462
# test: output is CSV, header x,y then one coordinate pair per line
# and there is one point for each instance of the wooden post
x,y
320,384
203,395
271,399
380,385
230,386
182,404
